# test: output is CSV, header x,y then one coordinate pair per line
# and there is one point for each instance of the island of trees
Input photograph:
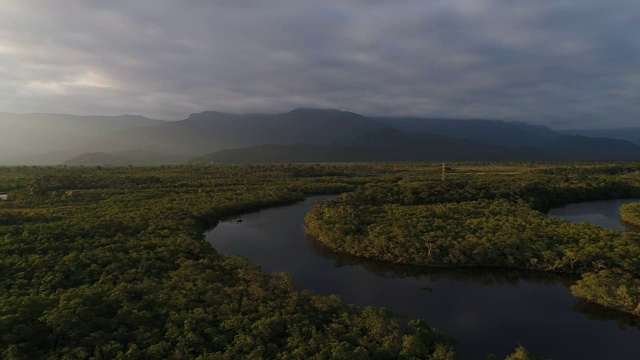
x,y
494,217
111,262
630,214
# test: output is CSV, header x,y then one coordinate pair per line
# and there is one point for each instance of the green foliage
x,y
630,214
484,233
482,219
110,263
612,288
521,354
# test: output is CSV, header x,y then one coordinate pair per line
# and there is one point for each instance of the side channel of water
x,y
604,213
488,311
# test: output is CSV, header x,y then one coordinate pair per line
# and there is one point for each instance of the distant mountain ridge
x,y
309,153
210,131
628,134
309,135
494,132
559,145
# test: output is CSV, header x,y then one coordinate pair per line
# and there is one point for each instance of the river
x,y
487,311
602,213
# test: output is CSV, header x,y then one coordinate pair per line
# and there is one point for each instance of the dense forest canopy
x,y
110,262
494,219
630,214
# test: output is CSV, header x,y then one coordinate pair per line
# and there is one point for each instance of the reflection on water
x,y
601,313
489,276
486,310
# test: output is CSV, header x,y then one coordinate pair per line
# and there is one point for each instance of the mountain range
x,y
627,134
301,135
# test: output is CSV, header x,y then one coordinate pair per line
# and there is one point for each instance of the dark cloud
x,y
566,63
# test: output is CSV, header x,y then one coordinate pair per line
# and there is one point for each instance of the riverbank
x,y
474,224
508,307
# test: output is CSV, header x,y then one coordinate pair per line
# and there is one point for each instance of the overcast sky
x,y
567,63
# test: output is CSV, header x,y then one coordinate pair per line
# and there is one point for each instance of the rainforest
x,y
111,262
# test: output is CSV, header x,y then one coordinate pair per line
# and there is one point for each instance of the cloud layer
x,y
567,63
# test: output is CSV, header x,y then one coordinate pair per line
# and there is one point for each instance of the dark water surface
x,y
487,311
604,213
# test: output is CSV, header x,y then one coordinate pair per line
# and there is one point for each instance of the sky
x,y
564,63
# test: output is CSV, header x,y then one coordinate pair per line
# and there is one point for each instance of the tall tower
x,y
444,171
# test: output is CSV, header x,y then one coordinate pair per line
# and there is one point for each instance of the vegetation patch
x,y
111,262
493,220
630,214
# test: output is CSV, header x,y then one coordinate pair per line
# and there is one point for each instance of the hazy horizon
x,y
373,116
565,64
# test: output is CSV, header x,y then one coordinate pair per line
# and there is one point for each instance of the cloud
x,y
566,63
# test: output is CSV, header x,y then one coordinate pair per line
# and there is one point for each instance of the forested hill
x,y
336,136
620,144
493,132
373,147
296,153
210,131
628,134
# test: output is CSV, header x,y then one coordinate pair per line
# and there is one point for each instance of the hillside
x,y
337,136
209,131
559,145
627,134
494,132
295,153
575,147
377,145
346,134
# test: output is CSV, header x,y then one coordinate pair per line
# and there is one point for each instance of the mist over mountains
x,y
35,139
301,135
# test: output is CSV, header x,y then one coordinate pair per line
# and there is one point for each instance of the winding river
x,y
487,311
